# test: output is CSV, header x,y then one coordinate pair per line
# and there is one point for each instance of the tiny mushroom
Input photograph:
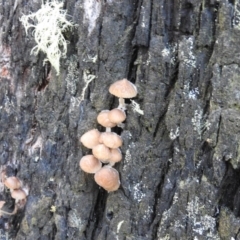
x,y
123,89
7,213
90,164
103,120
111,140
116,156
18,194
91,138
101,152
108,178
12,183
117,115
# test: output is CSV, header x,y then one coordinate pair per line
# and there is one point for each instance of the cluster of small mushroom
x,y
17,193
105,145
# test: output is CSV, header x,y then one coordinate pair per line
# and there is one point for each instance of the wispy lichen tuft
x,y
48,24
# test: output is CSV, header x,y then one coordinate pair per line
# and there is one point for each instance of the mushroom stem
x,y
9,213
122,104
111,163
108,129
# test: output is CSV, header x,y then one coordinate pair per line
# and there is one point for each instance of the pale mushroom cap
x,y
116,156
90,164
101,152
103,119
123,89
90,138
18,194
111,139
108,178
117,115
12,183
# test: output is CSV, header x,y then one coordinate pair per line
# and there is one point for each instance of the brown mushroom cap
x,y
103,119
18,194
108,178
117,115
111,139
90,138
101,152
90,164
116,156
123,89
12,183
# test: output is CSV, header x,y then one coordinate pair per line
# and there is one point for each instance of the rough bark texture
x,y
180,176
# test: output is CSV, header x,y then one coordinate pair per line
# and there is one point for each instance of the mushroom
x,y
108,178
116,156
91,138
101,152
103,120
117,115
12,183
90,164
7,213
123,89
18,194
111,140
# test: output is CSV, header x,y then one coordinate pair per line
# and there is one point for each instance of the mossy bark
x,y
180,173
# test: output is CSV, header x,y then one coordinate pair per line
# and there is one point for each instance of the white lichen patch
x,y
190,93
48,24
193,94
138,195
186,53
136,107
147,213
174,133
92,10
196,121
169,53
165,52
201,225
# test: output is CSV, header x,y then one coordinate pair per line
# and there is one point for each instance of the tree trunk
x,y
180,173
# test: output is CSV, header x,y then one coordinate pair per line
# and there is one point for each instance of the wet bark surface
x,y
180,173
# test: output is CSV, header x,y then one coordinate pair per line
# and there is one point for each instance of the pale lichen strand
x,y
92,10
48,24
136,107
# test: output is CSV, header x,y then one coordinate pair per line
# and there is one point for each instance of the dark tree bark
x,y
180,173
